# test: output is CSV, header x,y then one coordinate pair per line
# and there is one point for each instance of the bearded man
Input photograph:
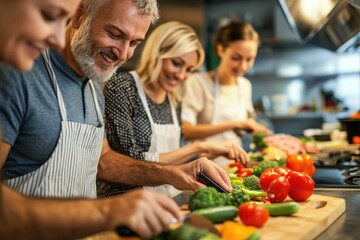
x,y
54,142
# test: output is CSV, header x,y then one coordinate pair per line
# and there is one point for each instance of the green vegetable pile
x,y
209,197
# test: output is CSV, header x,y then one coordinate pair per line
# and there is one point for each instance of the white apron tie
x,y
164,138
71,170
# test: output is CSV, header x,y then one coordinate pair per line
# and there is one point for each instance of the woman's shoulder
x,y
123,81
200,78
244,80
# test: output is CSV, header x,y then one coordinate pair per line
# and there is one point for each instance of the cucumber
x,y
218,214
282,209
254,236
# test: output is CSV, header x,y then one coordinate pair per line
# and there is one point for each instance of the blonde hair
x,y
169,40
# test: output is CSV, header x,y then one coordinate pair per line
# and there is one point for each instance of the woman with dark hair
x,y
217,102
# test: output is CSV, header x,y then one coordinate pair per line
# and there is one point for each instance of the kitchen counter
x,y
344,228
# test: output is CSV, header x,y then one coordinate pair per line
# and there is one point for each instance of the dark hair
x,y
235,31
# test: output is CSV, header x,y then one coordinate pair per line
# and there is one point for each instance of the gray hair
x,y
146,7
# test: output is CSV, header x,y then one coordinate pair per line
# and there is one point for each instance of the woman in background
x,y
218,103
143,108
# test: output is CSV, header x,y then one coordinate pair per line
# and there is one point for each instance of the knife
x,y
190,218
210,183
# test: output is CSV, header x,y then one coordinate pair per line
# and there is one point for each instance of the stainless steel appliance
x,y
338,168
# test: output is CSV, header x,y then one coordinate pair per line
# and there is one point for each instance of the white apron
x,y
224,113
71,170
164,138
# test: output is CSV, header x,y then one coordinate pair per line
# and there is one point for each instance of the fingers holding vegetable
x,y
145,213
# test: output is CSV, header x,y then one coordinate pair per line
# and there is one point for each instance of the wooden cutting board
x,y
315,215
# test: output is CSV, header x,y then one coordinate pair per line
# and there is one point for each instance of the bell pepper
x,y
232,230
301,163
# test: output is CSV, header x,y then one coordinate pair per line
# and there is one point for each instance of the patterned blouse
x,y
127,124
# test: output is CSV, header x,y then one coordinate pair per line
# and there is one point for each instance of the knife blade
x,y
210,183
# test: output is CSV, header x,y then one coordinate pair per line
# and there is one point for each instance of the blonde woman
x,y
143,108
217,102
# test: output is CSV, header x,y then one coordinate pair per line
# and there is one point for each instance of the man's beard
x,y
82,48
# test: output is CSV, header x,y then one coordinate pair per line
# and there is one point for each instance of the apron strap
x,y
144,101
46,55
216,97
142,97
98,111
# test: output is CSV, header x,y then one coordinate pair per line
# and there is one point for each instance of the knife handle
x,y
124,231
210,183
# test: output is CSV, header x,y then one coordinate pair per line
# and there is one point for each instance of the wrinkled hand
x,y
257,127
227,149
146,213
184,177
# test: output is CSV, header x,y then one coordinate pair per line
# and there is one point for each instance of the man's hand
x,y
146,213
227,149
184,177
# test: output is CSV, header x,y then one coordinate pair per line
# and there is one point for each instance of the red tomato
x,y
301,186
283,171
278,189
267,177
253,214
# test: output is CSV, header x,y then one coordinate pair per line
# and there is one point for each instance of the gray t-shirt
x,y
30,115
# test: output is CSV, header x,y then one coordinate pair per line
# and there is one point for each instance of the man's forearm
x,y
118,168
24,218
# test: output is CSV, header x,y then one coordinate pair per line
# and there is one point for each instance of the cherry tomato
x,y
278,189
267,177
253,214
301,186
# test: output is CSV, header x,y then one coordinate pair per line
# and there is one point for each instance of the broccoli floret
x,y
207,198
262,166
252,182
241,194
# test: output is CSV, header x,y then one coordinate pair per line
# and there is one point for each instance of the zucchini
x,y
218,214
282,209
